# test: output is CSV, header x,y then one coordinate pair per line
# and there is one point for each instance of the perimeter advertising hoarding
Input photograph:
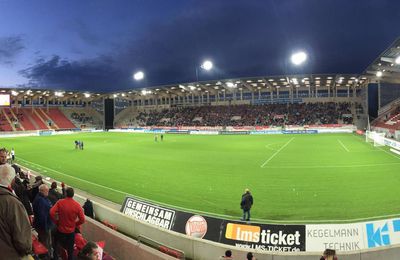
x,y
341,237
149,212
382,233
236,233
268,237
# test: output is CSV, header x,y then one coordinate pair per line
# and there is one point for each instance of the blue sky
x,y
97,45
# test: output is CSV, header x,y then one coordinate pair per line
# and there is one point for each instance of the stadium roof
x,y
386,63
254,84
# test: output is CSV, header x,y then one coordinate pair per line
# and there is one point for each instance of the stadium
x,y
303,144
171,171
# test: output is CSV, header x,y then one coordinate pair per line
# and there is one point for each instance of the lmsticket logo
x,y
255,234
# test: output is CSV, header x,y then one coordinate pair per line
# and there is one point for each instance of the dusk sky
x,y
98,45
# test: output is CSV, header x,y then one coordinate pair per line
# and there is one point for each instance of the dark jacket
x,y
22,192
247,201
41,211
88,209
15,229
54,196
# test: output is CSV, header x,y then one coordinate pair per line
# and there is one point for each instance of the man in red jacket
x,y
67,214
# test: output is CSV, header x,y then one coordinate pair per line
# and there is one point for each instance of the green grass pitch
x,y
293,178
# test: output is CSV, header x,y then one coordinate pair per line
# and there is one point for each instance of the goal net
x,y
374,137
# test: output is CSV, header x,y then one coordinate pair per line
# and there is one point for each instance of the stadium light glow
x,y
379,74
87,95
298,58
58,94
207,65
230,85
138,75
397,60
14,93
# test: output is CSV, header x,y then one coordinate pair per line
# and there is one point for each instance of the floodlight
x,y
379,74
397,60
14,93
207,65
298,58
230,84
87,95
138,75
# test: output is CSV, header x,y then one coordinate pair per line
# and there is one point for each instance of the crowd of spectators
x,y
38,221
82,118
251,115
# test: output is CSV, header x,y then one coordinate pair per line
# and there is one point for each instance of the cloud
x,y
95,74
243,38
10,47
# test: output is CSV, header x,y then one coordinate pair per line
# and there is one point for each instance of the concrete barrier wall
x,y
200,249
120,246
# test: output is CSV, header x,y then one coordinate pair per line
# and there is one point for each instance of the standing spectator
x,y
67,214
246,204
35,187
42,222
88,209
3,156
63,189
54,195
15,229
21,190
12,155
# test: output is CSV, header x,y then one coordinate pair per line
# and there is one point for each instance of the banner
x,y
284,238
382,233
341,237
300,132
268,237
234,132
149,212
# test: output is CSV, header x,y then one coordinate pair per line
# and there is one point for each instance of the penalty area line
x,y
272,156
347,150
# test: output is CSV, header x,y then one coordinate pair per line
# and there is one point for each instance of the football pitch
x,y
293,178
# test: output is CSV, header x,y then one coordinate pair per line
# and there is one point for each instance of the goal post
x,y
374,137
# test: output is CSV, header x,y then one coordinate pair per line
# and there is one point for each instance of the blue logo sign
x,y
380,235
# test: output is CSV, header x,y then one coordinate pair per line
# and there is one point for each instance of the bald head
x,y
7,174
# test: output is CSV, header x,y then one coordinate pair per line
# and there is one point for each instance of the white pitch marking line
x,y
347,150
272,156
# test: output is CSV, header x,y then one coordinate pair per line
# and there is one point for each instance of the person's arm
x,y
81,216
21,233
